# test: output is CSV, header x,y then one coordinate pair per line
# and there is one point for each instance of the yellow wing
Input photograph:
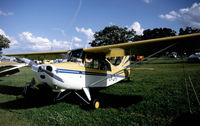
x,y
184,43
41,55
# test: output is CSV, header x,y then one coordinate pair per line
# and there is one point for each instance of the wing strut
x,y
87,92
118,72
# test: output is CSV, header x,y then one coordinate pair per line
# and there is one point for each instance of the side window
x,y
96,62
115,60
104,65
89,61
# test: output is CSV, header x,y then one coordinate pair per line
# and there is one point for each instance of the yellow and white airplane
x,y
83,69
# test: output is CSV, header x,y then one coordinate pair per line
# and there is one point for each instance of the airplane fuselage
x,y
75,76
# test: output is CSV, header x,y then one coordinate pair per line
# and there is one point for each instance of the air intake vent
x,y
42,76
49,68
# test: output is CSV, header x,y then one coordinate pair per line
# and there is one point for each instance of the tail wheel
x,y
96,104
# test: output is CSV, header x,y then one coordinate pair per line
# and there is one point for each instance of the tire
x,y
96,104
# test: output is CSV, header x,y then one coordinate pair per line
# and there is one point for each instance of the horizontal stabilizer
x,y
12,70
9,71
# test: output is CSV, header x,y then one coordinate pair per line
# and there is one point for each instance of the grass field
x,y
156,96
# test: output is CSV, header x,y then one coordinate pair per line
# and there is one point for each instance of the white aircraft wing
x,y
12,70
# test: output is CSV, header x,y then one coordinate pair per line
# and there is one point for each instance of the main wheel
x,y
96,104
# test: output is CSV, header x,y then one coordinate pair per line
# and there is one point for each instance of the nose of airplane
x,y
49,70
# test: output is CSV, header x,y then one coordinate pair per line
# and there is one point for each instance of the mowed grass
x,y
152,97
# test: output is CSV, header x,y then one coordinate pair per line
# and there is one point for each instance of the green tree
x,y
137,38
112,35
4,42
157,33
188,30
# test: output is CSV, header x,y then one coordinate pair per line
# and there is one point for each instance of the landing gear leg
x,y
60,97
27,90
94,104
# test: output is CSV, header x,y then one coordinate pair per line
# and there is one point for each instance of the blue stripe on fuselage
x,y
68,71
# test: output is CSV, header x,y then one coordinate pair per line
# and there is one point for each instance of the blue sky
x,y
51,25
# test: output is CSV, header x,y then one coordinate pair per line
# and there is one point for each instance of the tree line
x,y
115,35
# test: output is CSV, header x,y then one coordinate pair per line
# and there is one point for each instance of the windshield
x,y
74,56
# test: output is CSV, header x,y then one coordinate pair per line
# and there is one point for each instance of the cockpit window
x,y
76,56
94,61
97,62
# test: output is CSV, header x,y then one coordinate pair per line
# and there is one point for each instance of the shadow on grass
x,y
117,101
10,90
39,98
106,100
35,98
187,119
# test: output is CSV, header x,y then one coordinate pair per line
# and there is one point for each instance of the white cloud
x,y
137,27
13,42
35,43
32,39
60,45
42,44
6,14
76,39
111,23
171,16
2,32
88,32
187,16
147,1
77,45
29,42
